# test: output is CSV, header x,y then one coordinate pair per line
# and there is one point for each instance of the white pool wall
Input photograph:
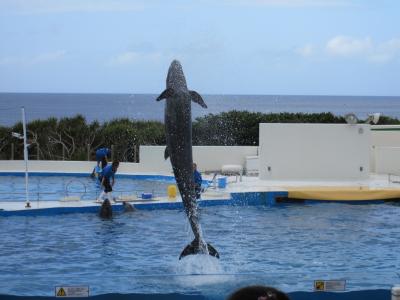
x,y
314,151
385,149
384,157
208,158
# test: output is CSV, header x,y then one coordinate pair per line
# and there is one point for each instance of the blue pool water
x,y
286,246
56,187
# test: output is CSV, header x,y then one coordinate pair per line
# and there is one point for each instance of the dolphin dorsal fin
x,y
169,92
166,153
197,98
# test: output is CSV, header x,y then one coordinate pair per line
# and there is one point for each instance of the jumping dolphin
x,y
178,131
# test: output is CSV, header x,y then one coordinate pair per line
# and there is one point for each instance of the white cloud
x,y
66,6
41,58
344,46
92,6
348,46
125,58
386,51
49,57
294,3
306,51
132,57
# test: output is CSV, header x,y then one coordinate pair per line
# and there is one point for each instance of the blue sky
x,y
317,47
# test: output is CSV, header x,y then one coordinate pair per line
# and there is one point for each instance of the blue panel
x,y
356,295
57,211
257,198
238,199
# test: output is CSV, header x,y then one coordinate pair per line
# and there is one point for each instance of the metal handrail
x,y
44,193
67,192
72,181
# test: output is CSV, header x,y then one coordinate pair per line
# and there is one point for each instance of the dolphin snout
x,y
175,63
176,78
176,67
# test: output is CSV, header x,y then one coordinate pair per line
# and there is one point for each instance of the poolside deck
x,y
73,205
250,191
376,187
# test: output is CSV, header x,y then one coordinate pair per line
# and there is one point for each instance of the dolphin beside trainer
x,y
178,132
106,209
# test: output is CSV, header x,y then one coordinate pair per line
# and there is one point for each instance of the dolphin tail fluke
x,y
212,251
195,248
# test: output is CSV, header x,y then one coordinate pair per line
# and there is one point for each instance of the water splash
x,y
200,264
204,274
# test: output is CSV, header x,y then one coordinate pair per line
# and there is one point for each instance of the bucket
x,y
222,182
171,191
147,195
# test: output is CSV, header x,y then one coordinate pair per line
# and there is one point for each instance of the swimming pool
x,y
286,246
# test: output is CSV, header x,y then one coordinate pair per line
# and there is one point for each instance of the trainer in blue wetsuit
x,y
108,180
198,180
101,156
99,172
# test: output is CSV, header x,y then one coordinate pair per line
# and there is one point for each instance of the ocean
x,y
105,107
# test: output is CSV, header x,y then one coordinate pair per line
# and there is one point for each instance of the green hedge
x,y
75,139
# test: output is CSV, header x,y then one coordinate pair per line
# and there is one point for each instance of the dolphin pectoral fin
x,y
197,98
166,94
166,153
193,248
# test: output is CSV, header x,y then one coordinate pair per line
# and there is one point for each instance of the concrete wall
x,y
384,157
212,158
385,135
60,166
385,149
387,160
314,151
152,160
208,158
